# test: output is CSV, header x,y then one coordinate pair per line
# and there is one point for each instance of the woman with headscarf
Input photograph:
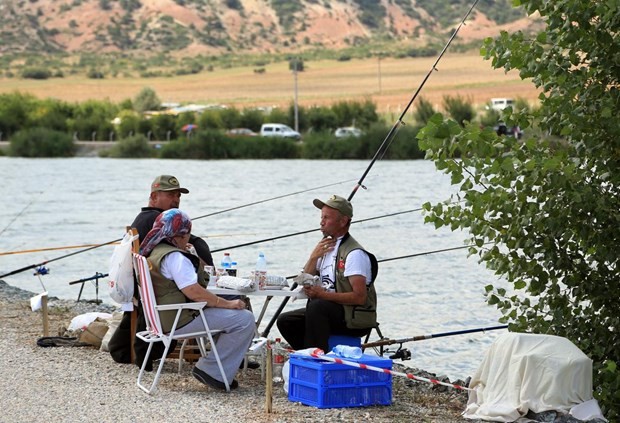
x,y
178,278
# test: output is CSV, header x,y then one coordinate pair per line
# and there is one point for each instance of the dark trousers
x,y
312,326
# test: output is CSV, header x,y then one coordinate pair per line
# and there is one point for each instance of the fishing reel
x,y
400,354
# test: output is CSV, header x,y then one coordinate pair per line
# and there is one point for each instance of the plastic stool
x,y
352,341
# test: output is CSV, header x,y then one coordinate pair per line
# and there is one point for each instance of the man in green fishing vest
x,y
345,302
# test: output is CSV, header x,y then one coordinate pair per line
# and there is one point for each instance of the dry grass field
x,y
389,83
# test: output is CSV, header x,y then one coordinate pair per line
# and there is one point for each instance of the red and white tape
x,y
379,369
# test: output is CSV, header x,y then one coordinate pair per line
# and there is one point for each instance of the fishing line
x,y
388,139
310,230
392,133
23,210
17,216
271,199
32,266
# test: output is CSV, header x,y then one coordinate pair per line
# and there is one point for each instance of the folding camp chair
x,y
154,332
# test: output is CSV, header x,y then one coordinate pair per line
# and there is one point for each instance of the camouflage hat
x,y
167,183
336,202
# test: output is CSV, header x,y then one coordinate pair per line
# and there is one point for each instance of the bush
x,y
136,146
324,145
36,73
41,142
459,109
212,144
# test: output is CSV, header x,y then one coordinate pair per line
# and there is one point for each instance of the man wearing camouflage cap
x,y
345,302
165,194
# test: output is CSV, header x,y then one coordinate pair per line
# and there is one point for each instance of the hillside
x,y
191,27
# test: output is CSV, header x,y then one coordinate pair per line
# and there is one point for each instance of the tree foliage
x,y
146,100
131,147
423,111
41,142
544,213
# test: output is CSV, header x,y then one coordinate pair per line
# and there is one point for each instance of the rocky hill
x,y
223,26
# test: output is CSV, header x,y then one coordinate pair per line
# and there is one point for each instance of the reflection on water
x,y
72,202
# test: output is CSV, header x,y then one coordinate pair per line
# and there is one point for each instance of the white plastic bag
x,y
121,273
233,282
81,321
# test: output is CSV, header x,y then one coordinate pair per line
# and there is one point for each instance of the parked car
x,y
241,132
278,130
348,131
500,104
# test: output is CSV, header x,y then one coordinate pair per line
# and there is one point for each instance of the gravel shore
x,y
83,384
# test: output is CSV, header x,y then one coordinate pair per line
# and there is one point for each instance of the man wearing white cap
x,y
346,301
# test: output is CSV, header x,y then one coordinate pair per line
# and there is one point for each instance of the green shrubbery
x,y
41,142
126,124
135,146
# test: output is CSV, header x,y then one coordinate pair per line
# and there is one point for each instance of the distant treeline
x,y
48,128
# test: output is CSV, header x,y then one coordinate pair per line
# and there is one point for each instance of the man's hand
x,y
314,291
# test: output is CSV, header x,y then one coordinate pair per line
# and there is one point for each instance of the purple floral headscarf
x,y
171,223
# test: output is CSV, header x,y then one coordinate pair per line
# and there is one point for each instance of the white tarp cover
x,y
523,372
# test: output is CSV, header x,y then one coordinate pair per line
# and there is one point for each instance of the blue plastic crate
x,y
325,384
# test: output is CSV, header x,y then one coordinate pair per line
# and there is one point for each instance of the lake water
x,y
50,203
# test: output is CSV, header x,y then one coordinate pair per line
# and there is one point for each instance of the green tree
x,y
93,118
15,112
146,100
251,118
164,127
459,109
423,111
544,213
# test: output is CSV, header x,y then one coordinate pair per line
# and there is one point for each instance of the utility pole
x,y
379,71
296,107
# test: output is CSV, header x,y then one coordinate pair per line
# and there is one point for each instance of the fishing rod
x,y
70,247
265,332
390,136
388,341
309,230
32,266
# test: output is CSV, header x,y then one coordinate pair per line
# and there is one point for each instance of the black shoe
x,y
214,383
251,365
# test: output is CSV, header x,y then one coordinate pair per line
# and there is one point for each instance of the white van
x,y
278,130
348,131
501,103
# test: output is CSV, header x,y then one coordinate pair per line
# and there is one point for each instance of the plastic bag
x,y
306,279
121,273
232,282
81,321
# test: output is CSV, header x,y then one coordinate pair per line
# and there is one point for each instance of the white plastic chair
x,y
154,333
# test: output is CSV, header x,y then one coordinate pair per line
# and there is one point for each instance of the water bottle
x,y
260,272
233,269
226,263
347,351
278,360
